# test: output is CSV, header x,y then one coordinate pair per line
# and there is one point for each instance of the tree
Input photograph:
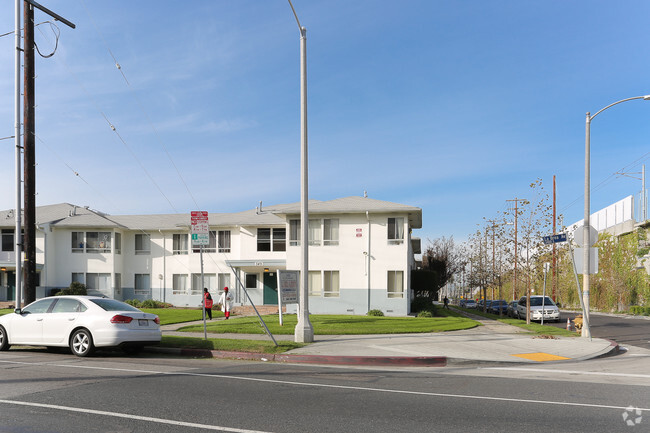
x,y
445,259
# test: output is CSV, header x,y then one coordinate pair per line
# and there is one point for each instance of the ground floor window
x,y
315,283
179,284
142,284
331,284
209,281
118,284
224,281
99,283
395,284
251,281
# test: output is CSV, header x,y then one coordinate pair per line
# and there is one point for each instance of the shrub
x,y
76,288
375,313
421,304
425,314
639,310
133,302
150,303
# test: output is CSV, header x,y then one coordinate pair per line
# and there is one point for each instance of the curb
x,y
419,361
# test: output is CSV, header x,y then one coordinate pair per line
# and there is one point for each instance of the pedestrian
x,y
225,301
207,302
446,301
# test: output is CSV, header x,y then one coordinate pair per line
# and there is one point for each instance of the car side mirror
x,y
18,311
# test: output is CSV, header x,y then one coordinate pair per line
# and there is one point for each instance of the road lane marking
x,y
542,370
345,387
130,416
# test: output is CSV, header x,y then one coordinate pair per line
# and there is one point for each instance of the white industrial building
x,y
361,252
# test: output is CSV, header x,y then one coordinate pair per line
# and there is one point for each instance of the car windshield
x,y
537,302
113,305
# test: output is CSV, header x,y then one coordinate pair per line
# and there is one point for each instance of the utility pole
x,y
29,140
18,244
554,252
514,286
29,186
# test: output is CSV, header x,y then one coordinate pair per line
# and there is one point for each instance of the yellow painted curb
x,y
540,356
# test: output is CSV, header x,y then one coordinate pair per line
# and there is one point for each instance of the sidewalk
x,y
494,342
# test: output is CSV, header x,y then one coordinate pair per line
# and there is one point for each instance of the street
x,y
624,329
45,392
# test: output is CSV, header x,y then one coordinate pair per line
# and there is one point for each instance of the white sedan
x,y
81,323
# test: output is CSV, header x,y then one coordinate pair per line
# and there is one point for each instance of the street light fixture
x,y
586,332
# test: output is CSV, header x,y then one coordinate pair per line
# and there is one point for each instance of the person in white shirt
x,y
226,302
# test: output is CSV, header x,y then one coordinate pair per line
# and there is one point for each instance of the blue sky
x,y
450,106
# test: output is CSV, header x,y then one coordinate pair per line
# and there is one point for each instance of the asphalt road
x,y
625,330
44,392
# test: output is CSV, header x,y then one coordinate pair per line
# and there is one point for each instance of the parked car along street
x,y
81,323
499,306
512,309
549,310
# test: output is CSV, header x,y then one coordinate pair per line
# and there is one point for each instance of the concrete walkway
x,y
493,342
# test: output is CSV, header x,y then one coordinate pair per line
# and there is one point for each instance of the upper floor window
x,y
98,242
142,243
179,243
77,242
395,231
272,239
223,242
329,235
330,231
8,243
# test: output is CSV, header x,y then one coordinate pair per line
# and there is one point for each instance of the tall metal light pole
x,y
18,210
586,332
304,332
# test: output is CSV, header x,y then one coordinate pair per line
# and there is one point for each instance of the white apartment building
x,y
361,252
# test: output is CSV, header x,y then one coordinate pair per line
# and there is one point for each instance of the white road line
x,y
586,373
130,416
346,387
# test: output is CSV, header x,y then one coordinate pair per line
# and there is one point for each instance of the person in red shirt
x,y
207,302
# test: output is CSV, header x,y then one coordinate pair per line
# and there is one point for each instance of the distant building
x,y
361,252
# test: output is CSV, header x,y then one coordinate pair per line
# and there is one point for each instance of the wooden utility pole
x,y
29,140
554,252
514,286
29,162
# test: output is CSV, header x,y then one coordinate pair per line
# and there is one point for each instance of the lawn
x,y
257,346
534,327
337,325
179,315
6,311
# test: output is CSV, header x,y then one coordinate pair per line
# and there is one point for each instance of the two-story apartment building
x,y
360,254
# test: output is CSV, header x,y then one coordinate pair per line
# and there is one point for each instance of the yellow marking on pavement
x,y
540,356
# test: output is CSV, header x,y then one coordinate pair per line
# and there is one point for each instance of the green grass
x,y
338,325
534,327
179,315
257,346
6,311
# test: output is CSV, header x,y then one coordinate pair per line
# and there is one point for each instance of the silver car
x,y
540,306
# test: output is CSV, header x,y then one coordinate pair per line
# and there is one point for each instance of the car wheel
x,y
4,340
81,343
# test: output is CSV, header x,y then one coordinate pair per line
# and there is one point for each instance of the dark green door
x,y
270,288
11,286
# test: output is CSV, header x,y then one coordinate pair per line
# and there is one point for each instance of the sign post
x,y
287,289
201,236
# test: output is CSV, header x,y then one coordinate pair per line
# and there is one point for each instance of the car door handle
x,y
39,320
70,319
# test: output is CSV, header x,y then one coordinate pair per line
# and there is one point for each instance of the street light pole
x,y
304,332
586,332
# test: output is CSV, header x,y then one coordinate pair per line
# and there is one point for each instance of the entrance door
x,y
11,286
270,288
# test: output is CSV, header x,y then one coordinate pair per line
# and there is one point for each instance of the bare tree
x,y
443,257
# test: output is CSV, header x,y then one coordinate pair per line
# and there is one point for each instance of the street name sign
x,y
553,239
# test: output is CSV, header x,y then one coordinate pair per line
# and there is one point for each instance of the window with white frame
x,y
330,231
118,243
8,243
251,281
331,284
118,282
209,281
314,232
99,283
78,277
315,283
142,284
179,284
77,242
223,281
294,233
179,243
395,284
395,231
142,243
211,247
98,242
223,244
271,239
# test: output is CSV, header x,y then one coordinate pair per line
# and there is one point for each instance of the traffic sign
x,y
578,236
553,239
200,228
